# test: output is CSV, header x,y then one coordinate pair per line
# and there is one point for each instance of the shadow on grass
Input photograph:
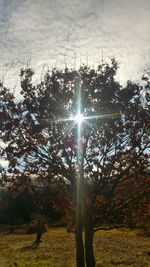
x,y
31,247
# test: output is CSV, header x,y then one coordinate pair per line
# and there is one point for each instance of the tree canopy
x,y
42,137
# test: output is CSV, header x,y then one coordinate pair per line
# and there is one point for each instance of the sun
x,y
79,118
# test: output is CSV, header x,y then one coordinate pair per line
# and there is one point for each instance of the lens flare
x,y
79,118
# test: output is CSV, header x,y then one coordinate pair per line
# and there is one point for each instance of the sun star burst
x,y
79,118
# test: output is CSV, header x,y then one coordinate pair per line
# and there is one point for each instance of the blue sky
x,y
48,32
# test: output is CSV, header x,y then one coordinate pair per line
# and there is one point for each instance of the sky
x,y
52,33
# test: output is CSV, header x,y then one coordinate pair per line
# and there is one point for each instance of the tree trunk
x,y
89,251
40,228
80,261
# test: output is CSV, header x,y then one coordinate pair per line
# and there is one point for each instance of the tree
x,y
98,157
33,202
43,207
14,210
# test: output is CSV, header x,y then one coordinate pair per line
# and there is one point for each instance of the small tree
x,y
42,197
99,156
31,200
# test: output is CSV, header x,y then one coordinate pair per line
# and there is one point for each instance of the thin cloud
x,y
53,32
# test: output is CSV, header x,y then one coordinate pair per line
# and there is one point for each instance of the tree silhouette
x,y
103,166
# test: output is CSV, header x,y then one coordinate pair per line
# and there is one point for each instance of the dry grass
x,y
117,248
112,248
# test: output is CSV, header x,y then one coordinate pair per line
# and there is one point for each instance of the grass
x,y
113,248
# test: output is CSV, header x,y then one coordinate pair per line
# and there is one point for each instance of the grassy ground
x,y
114,248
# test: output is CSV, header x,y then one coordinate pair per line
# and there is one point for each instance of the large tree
x,y
83,129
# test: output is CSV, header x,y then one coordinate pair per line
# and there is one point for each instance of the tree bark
x,y
89,251
40,228
80,261
80,251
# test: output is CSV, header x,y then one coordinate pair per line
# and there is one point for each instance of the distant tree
x,y
103,159
15,210
44,210
32,205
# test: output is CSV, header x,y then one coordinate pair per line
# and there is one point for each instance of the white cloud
x,y
4,163
45,31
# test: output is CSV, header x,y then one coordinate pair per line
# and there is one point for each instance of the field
x,y
57,249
